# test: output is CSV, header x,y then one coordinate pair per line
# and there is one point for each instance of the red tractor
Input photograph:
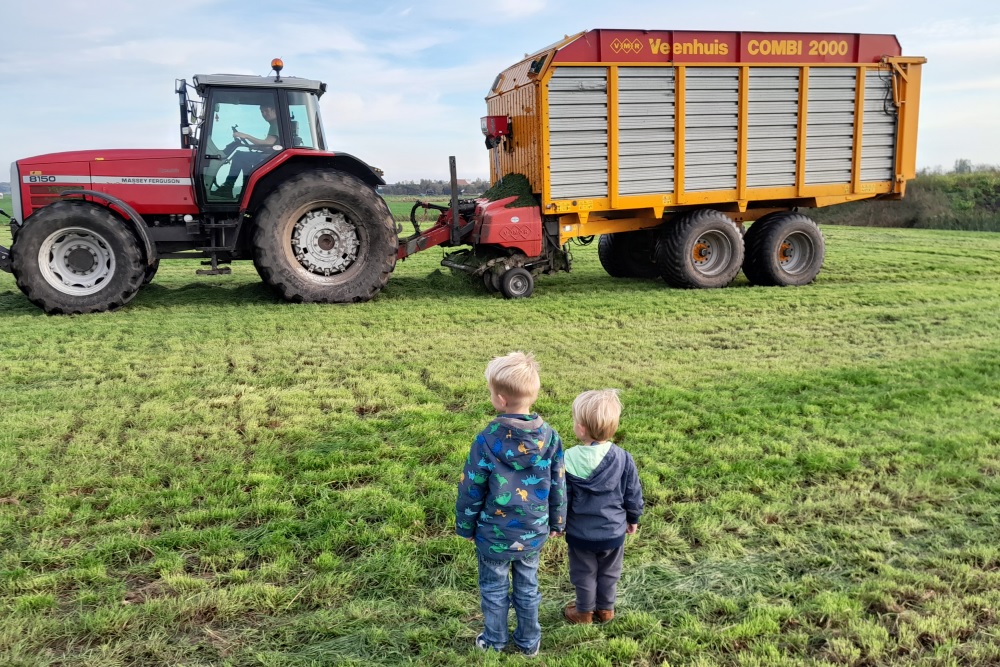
x,y
254,179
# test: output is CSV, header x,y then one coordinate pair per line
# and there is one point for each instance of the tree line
x,y
425,187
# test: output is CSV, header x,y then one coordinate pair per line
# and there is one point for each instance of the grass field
x,y
214,477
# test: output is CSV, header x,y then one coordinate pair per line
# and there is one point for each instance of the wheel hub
x,y
785,253
76,261
518,285
325,242
80,259
711,253
701,252
795,253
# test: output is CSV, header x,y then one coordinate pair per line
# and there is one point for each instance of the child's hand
x,y
632,528
555,533
470,539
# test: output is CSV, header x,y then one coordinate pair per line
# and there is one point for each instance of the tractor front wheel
x,y
150,272
77,257
325,236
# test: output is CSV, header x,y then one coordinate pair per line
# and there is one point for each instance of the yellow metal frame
x,y
618,213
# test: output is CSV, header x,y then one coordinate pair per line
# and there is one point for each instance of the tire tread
x,y
30,281
673,260
760,266
285,279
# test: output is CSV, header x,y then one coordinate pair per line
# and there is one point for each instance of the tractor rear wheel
x,y
77,257
702,249
628,255
783,249
325,236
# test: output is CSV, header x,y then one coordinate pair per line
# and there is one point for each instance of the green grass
x,y
5,206
214,477
402,205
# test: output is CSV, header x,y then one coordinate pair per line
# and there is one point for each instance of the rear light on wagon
x,y
495,128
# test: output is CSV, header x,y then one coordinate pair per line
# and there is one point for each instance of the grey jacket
x,y
601,505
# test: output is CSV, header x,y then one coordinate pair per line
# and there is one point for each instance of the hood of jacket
x,y
606,476
517,440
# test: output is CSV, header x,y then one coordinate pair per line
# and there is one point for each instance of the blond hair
x,y
514,376
598,411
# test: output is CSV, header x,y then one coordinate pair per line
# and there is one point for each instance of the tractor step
x,y
220,248
218,271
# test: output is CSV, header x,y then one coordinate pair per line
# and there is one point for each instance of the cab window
x,y
307,129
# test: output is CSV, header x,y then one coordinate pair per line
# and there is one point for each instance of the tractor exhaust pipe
x,y
454,201
5,264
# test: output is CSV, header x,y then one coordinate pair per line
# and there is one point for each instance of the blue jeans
x,y
494,592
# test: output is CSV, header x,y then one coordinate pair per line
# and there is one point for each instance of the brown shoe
x,y
604,615
578,617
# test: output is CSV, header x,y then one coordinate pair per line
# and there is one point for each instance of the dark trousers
x,y
243,163
595,575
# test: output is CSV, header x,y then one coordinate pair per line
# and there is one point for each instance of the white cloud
x,y
406,82
519,9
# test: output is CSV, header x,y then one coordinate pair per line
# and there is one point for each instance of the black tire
x,y
150,272
628,255
77,257
700,250
517,283
349,241
783,249
491,282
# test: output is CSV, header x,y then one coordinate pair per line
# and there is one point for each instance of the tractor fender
x,y
141,228
296,161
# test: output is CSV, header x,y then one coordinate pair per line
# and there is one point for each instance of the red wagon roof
x,y
701,47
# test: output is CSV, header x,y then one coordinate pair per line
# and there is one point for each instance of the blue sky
x,y
406,80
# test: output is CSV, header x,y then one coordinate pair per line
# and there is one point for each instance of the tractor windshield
x,y
307,128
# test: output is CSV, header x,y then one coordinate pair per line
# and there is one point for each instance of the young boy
x,y
511,498
605,503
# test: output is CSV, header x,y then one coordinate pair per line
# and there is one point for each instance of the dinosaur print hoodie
x,y
513,488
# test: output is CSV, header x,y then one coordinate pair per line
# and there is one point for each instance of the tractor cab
x,y
240,123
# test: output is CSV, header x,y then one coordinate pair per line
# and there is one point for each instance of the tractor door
x,y
243,130
304,120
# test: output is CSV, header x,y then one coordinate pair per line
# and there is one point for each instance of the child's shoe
x,y
577,617
604,615
482,645
530,653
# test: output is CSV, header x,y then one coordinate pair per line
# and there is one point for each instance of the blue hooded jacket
x,y
513,488
602,504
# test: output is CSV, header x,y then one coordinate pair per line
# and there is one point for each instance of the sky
x,y
407,80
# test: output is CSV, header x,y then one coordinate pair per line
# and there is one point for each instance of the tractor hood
x,y
113,155
153,182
